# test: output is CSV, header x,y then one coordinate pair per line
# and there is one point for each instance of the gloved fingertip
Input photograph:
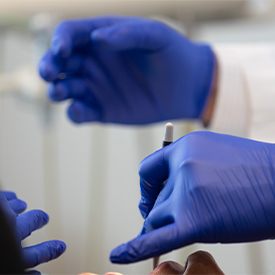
x,y
60,247
47,72
32,272
43,252
124,254
119,255
43,71
75,112
57,92
43,216
9,194
60,48
79,113
21,205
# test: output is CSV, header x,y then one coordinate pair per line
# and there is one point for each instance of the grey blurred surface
x,y
195,8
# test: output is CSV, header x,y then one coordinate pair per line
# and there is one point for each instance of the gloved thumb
x,y
153,171
139,34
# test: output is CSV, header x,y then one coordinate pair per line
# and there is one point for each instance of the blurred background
x,y
85,177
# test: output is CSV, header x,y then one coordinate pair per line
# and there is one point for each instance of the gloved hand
x,y
25,224
17,205
219,189
127,70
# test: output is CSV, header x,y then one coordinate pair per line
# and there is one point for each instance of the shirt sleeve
x,y
245,104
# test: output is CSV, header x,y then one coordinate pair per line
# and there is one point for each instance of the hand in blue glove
x,y
127,70
25,224
17,205
220,189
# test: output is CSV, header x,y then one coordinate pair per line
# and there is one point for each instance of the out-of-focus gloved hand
x,y
219,189
127,70
25,224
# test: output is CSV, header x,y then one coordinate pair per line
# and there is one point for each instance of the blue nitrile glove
x,y
26,223
219,189
127,70
17,205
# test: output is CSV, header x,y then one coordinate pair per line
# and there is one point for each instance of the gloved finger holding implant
x,y
219,189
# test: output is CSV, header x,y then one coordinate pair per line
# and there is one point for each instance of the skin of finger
x,y
108,273
169,267
202,262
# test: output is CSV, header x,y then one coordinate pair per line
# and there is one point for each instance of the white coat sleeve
x,y
245,104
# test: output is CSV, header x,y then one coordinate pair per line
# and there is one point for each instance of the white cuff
x,y
232,109
261,86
